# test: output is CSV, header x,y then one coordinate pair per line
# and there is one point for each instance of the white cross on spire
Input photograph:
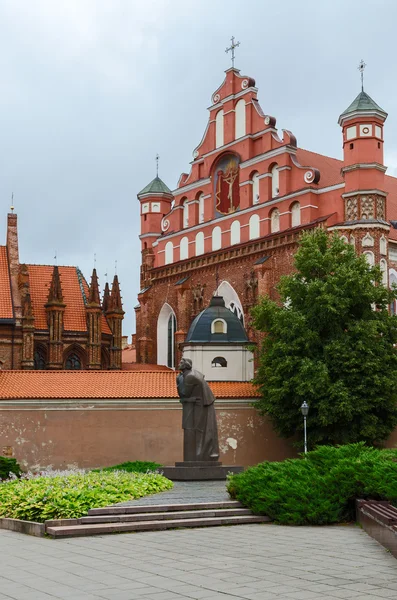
x,y
231,49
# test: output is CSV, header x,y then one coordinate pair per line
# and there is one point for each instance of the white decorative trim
x,y
309,176
165,195
362,113
285,168
147,235
359,226
232,97
192,186
376,166
364,192
266,155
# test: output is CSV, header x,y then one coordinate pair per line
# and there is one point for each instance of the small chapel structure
x,y
250,193
50,318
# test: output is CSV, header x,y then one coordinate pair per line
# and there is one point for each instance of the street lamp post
x,y
305,412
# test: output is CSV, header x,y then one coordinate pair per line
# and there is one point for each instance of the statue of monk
x,y
198,415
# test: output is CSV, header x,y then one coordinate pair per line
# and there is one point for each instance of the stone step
x,y
142,508
155,525
158,516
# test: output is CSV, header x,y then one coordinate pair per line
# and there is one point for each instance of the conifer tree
x,y
331,342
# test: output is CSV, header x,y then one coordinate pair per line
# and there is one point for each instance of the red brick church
x,y
50,318
238,214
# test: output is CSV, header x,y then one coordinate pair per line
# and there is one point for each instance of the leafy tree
x,y
330,341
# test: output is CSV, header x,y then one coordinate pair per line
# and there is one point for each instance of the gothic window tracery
x,y
40,359
73,362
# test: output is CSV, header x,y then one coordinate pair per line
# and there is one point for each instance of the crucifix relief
x,y
227,188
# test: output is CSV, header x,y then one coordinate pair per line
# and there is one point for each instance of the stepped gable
x,y
106,384
73,291
6,310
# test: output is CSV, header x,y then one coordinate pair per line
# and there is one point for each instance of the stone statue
x,y
198,417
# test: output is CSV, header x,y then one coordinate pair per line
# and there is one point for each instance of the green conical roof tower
x,y
364,104
156,186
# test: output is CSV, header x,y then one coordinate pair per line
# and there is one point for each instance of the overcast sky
x,y
91,90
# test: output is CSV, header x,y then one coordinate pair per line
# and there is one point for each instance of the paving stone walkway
x,y
184,492
250,562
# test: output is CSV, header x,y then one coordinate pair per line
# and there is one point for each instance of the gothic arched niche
x,y
226,185
232,301
74,358
40,357
166,327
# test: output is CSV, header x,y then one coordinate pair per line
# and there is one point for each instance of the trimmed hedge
x,y
7,466
137,466
320,489
71,496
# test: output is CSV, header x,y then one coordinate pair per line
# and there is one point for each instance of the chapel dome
x,y
207,325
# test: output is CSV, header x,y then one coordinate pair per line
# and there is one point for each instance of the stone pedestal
x,y
190,470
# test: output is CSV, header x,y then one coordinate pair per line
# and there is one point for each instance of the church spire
x,y
55,294
93,297
116,304
106,298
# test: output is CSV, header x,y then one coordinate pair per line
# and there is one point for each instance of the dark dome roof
x,y
200,329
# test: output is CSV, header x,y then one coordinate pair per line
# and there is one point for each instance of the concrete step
x,y
155,525
128,510
158,516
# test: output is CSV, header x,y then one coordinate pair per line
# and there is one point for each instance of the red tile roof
x,y
75,313
105,384
329,167
141,367
6,311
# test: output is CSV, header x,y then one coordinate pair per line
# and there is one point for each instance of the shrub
x,y
138,466
71,496
7,466
321,489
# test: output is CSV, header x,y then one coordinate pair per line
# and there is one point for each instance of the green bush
x,y
7,466
321,489
71,496
138,466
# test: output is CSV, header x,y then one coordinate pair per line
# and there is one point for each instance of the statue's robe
x,y
199,413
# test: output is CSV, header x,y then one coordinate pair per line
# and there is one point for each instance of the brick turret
x,y
94,316
115,315
55,309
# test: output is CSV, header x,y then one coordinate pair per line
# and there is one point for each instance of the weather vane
x,y
157,164
361,68
231,49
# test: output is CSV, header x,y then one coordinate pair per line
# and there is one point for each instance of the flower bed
x,y
70,494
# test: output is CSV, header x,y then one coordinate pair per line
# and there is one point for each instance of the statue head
x,y
185,364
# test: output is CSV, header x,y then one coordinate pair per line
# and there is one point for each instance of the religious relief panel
x,y
251,288
226,186
367,207
351,209
380,209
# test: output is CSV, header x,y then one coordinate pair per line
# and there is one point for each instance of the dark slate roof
x,y
157,186
200,329
363,103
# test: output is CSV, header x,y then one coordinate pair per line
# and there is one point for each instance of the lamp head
x,y
305,409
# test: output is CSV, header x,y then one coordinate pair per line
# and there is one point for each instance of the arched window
x,y
255,188
219,129
166,327
383,245
275,181
201,208
73,362
219,361
275,220
295,214
219,326
40,358
383,268
169,253
199,243
235,233
370,258
344,239
185,214
216,238
240,119
171,341
184,248
254,227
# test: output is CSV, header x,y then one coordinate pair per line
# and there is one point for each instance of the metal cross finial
x,y
231,49
157,165
115,267
361,68
12,202
56,258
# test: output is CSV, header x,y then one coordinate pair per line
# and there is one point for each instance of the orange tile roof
x,y
75,314
105,384
6,311
130,366
128,354
329,167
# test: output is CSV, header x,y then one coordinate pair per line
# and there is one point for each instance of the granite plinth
x,y
199,471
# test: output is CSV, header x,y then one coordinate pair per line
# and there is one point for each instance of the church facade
x,y
233,223
50,318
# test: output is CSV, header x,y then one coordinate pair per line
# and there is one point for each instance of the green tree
x,y
330,341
